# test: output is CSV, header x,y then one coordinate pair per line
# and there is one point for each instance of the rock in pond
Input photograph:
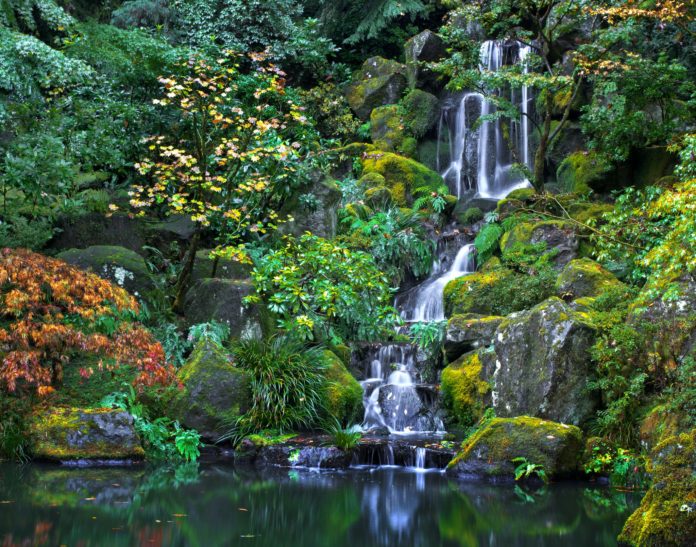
x,y
488,454
119,265
214,391
69,434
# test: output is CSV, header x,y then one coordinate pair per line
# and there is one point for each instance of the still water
x,y
225,506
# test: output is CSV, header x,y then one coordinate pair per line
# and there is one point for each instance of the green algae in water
x,y
223,505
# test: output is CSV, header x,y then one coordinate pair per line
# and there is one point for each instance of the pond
x,y
223,505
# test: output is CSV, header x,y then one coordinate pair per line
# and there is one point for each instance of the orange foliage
x,y
49,312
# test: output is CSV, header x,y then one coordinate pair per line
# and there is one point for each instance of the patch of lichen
x,y
70,434
666,514
402,175
585,278
343,393
558,447
583,172
463,391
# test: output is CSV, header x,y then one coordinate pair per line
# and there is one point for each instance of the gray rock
x,y
423,48
226,269
542,364
122,266
380,81
320,217
469,331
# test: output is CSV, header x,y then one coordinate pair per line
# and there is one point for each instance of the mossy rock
x,y
464,393
379,82
379,197
470,294
583,172
214,391
589,210
122,266
402,175
371,180
471,216
666,514
387,127
469,331
584,278
543,364
489,452
409,148
423,48
226,269
343,393
62,434
321,218
86,230
560,237
421,110
659,424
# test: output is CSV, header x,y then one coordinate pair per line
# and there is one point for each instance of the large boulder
x,y
380,81
421,111
79,232
313,209
401,175
222,300
469,331
489,452
584,278
560,237
425,47
63,434
464,393
122,266
214,391
543,364
666,514
343,394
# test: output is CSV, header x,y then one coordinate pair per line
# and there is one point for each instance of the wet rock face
x,y
85,434
469,331
222,300
542,364
214,391
121,266
379,82
329,457
489,453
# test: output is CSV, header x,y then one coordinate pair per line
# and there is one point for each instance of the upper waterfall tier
x,y
480,156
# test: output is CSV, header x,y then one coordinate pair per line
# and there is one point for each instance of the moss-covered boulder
x,y
313,208
560,237
489,452
117,264
584,278
214,391
582,172
464,393
660,423
343,392
62,434
420,111
205,267
222,300
423,48
401,175
667,514
380,81
469,331
473,294
543,364
387,127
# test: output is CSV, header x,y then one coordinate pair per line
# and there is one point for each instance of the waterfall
x,y
479,157
425,303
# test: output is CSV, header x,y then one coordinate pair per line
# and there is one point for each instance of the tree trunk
x,y
540,156
185,274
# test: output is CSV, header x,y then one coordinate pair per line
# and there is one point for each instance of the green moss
x,y
402,175
476,293
267,438
665,516
387,128
463,390
409,148
420,112
585,278
557,447
379,197
659,424
583,172
471,216
588,210
524,232
371,180
343,392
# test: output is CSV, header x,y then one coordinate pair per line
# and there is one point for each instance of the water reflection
x,y
221,506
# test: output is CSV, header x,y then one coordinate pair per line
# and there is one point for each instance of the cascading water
x,y
480,158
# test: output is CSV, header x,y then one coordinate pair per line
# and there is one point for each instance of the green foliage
x,y
487,242
287,384
162,438
18,231
431,199
327,105
324,290
345,438
213,330
471,216
623,467
154,14
428,336
13,427
681,394
526,470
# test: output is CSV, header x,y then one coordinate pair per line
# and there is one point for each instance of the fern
x,y
378,14
487,242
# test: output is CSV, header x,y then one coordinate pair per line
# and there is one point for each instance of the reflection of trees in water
x,y
219,505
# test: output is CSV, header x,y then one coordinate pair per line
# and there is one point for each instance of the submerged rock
x,y
489,452
214,391
84,434
380,81
117,264
542,364
667,514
